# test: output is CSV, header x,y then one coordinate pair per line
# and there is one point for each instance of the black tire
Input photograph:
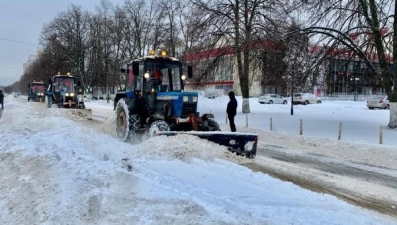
x,y
319,102
156,126
270,102
127,125
387,106
306,102
285,102
212,125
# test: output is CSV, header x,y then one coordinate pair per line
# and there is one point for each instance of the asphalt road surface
x,y
374,188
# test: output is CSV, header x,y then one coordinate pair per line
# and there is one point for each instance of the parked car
x,y
380,103
306,98
272,99
212,93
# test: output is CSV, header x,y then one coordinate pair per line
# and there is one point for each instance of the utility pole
x,y
292,90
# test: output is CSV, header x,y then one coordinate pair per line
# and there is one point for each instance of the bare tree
x,y
143,27
48,62
69,30
295,57
338,20
119,52
105,46
172,12
242,22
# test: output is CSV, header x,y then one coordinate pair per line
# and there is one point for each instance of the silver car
x,y
379,103
272,99
306,98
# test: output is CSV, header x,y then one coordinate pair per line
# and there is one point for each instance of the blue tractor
x,y
64,92
154,102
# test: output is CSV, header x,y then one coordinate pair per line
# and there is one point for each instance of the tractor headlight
x,y
195,99
185,98
72,94
67,94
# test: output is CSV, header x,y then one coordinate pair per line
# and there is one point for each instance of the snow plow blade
x,y
84,113
243,144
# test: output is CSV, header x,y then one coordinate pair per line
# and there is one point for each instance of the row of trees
x,y
95,45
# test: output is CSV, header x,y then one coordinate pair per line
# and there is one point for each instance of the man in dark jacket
x,y
231,110
2,99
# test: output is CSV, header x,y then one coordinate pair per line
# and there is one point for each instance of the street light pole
x,y
292,96
354,80
292,92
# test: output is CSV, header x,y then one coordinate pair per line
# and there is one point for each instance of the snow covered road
x,y
59,169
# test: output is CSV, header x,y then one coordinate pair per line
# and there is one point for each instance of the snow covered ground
x,y
56,170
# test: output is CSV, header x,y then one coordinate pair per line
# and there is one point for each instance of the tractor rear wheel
x,y
156,126
127,125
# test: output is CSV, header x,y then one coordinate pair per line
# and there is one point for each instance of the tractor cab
x,y
36,91
62,92
154,88
155,74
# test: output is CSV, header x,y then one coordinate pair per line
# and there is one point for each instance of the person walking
x,y
2,99
231,110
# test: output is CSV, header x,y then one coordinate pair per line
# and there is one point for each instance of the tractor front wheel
x,y
212,125
157,126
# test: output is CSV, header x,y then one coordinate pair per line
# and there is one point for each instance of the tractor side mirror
x,y
189,71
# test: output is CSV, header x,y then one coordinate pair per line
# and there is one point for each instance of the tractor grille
x,y
188,108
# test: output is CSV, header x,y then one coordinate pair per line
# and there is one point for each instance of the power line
x,y
8,70
21,42
10,74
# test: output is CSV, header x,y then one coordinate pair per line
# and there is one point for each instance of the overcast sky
x,y
21,22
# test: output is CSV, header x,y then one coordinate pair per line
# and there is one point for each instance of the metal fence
x,y
350,97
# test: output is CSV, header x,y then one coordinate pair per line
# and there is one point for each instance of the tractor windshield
x,y
38,87
64,84
164,76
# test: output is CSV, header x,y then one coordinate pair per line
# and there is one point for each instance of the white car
x,y
272,99
212,93
306,98
380,103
